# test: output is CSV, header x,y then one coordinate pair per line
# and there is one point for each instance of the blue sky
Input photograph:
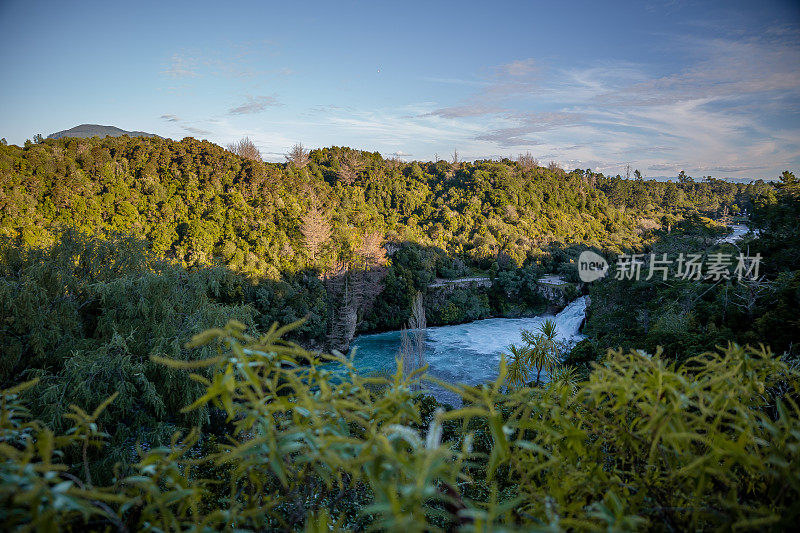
x,y
712,88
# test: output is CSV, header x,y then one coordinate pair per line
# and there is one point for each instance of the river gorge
x,y
465,353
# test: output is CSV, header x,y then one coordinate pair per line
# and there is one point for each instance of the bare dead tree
x,y
456,160
245,148
412,339
316,230
527,161
354,286
371,250
553,166
298,156
368,270
343,307
350,164
351,293
367,285
748,292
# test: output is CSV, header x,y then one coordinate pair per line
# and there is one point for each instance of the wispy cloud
x,y
197,131
671,167
457,81
721,105
530,122
181,66
233,61
254,104
466,110
188,127
729,169
730,69
519,68
326,109
722,111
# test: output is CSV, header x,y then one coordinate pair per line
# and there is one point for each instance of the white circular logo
x,y
591,266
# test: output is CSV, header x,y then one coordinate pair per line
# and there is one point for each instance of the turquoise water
x,y
466,353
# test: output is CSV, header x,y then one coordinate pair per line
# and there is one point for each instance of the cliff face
x,y
559,293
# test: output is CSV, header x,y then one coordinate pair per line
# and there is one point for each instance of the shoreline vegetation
x,y
166,307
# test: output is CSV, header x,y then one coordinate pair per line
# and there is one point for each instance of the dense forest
x,y
123,259
197,202
315,232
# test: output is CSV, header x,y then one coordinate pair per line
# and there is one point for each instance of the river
x,y
466,353
739,230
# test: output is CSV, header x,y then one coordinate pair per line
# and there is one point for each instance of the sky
x,y
712,88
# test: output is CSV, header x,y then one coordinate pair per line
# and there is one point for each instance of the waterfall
x,y
466,353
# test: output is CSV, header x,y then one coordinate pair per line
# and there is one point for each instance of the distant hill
x,y
96,130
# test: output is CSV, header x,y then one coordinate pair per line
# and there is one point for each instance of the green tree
x,y
518,358
544,351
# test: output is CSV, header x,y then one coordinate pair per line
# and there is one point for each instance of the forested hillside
x,y
315,231
197,202
684,317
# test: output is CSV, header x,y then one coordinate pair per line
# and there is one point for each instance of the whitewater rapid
x,y
466,353
739,231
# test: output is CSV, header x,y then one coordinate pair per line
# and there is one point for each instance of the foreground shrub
x,y
308,443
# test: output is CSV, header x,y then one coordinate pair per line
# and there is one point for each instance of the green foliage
x,y
690,444
288,225
687,318
36,489
84,317
582,355
200,203
541,352
455,306
643,444
518,365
